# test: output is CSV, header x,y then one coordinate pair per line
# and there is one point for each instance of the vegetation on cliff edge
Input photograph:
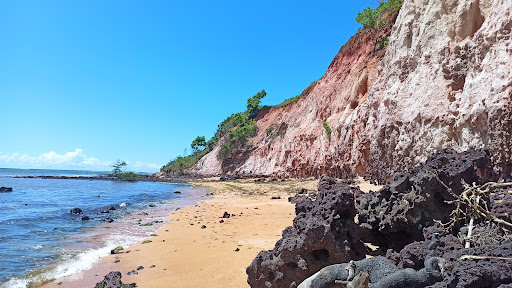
x,y
369,18
237,128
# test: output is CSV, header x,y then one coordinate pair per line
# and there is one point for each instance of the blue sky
x,y
83,83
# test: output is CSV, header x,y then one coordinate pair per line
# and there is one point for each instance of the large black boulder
x,y
323,233
396,214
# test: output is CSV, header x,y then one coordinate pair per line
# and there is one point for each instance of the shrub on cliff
x,y
327,129
370,17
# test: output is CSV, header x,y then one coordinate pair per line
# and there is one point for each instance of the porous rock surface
x,y
323,233
113,280
401,209
484,273
444,80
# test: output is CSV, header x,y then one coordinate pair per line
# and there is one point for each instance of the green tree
x,y
253,104
118,167
198,143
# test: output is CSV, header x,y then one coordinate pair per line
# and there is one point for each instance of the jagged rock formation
x,y
415,199
399,217
483,273
382,272
445,80
323,233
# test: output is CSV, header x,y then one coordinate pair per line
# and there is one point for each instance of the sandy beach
x,y
186,254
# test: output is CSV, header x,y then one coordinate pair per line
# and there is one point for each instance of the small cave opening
x,y
321,255
271,276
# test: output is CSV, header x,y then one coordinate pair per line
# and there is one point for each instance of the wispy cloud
x,y
70,160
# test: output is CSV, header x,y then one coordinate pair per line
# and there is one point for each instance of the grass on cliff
x,y
294,99
181,163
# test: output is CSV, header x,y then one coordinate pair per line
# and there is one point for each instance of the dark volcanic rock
x,y
5,189
76,211
501,204
107,220
485,273
86,218
401,209
323,233
226,215
113,280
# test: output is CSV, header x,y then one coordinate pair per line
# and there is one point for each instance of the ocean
x,y
41,240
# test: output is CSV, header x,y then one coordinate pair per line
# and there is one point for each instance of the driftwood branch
x,y
472,202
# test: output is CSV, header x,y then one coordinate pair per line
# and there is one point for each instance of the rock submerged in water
x,y
113,280
76,211
5,189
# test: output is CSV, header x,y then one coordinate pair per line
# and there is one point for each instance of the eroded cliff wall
x,y
445,80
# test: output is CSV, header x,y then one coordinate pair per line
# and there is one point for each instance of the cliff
x,y
443,81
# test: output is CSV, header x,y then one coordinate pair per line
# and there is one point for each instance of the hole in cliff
x,y
271,277
292,265
321,255
363,86
458,82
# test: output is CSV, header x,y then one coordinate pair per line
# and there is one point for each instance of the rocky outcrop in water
x,y
5,189
443,81
323,233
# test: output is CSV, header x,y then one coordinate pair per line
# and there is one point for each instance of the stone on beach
x,y
113,280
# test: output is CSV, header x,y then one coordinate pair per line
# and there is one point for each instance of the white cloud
x,y
145,166
69,160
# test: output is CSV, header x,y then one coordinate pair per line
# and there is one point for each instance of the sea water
x,y
41,240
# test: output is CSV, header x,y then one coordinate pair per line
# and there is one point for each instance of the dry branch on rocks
x,y
472,204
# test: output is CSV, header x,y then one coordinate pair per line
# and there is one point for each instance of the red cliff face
x,y
445,80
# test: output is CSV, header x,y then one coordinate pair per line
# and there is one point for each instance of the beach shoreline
x,y
187,254
132,215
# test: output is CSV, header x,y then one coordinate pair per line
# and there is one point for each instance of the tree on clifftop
x,y
253,104
198,143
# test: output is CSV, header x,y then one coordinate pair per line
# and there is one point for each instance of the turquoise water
x,y
40,239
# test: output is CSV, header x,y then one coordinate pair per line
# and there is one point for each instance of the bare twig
x,y
475,257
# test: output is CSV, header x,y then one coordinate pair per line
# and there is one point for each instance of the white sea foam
x,y
75,263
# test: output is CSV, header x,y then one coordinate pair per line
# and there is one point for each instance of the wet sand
x,y
185,254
